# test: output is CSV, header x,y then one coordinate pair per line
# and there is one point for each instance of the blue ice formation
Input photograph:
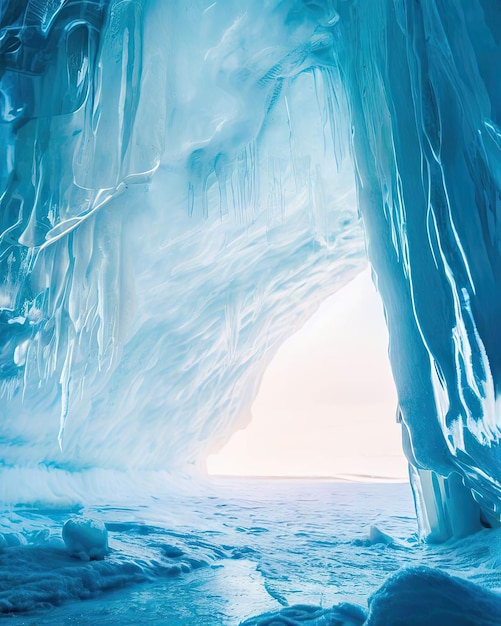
x,y
85,538
170,215
181,185
428,168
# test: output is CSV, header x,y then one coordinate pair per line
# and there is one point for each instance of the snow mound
x,y
423,596
418,596
86,539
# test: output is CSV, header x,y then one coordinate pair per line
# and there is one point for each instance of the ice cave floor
x,y
284,550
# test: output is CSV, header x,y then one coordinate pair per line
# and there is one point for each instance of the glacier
x,y
181,186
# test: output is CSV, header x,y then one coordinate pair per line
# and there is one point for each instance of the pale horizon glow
x,y
327,402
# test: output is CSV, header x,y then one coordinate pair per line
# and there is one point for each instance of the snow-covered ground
x,y
240,548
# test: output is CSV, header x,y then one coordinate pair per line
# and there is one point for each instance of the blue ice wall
x,y
428,169
178,188
177,197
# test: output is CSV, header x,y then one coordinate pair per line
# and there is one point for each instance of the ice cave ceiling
x,y
182,183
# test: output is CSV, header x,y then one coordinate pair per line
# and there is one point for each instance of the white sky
x,y
327,401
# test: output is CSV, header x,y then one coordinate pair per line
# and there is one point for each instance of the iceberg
x,y
181,186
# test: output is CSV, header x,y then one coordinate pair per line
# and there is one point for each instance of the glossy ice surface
x,y
170,215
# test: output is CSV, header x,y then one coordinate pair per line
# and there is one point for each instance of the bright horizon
x,y
327,403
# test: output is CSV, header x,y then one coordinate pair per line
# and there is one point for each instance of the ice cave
x,y
182,184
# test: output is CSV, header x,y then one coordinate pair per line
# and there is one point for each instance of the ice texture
x,y
423,595
180,186
426,113
341,615
248,548
164,229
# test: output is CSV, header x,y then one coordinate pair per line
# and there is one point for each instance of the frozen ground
x,y
237,549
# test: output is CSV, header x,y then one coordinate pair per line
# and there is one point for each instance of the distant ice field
x,y
237,549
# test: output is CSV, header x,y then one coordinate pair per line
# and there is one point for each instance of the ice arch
x,y
177,194
325,404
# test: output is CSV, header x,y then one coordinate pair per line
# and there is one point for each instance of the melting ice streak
x,y
181,184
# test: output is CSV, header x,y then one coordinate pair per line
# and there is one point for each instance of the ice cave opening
x,y
327,402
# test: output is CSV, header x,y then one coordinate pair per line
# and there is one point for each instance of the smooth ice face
x,y
429,182
178,194
178,197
